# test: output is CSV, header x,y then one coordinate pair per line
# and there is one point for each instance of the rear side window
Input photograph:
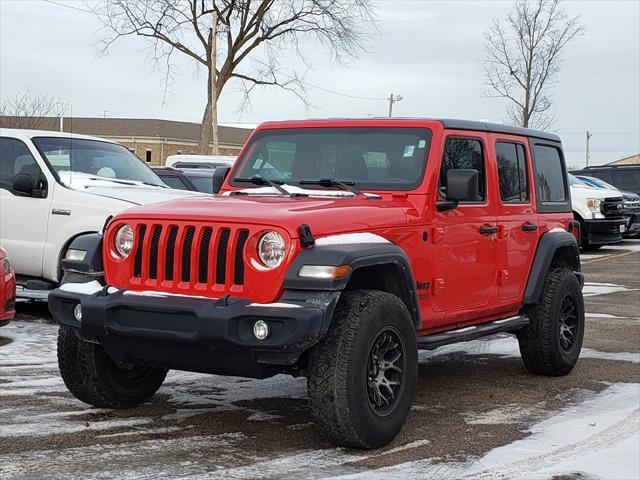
x,y
512,171
626,179
463,153
549,176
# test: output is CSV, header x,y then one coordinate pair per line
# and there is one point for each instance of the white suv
x,y
56,186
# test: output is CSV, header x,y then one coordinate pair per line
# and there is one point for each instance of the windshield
x,y
94,158
575,181
371,158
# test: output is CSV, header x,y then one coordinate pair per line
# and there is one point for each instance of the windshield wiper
x,y
347,185
277,184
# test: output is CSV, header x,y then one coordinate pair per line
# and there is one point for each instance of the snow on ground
x,y
598,438
592,289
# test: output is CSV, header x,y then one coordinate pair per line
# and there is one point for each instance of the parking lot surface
x,y
477,414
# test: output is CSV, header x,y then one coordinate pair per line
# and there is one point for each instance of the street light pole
x,y
589,135
393,99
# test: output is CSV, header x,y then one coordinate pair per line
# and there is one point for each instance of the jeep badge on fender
x,y
335,250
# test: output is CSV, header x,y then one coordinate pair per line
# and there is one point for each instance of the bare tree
x,y
237,39
523,59
25,110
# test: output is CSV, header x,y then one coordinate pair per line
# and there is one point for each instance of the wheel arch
x,y
555,249
374,266
66,246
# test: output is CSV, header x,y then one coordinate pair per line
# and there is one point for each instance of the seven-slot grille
x,y
189,254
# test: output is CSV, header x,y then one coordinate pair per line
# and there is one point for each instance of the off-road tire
x,y
92,377
338,370
540,342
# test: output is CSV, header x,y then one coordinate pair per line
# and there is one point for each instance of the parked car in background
x,y
55,186
7,289
599,212
194,179
630,202
623,177
199,161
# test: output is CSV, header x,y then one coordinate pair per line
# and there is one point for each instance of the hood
x,y
136,193
592,192
324,215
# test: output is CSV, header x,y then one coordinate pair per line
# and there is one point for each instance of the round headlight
x,y
271,249
124,240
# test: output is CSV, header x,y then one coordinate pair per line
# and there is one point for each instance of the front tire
x,y
551,343
92,377
362,375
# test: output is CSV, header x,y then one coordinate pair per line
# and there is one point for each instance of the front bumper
x,y
605,231
197,334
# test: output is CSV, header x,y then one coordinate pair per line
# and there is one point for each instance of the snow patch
x,y
161,294
350,239
592,289
87,288
294,189
275,305
262,417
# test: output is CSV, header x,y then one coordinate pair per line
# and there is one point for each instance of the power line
x,y
69,6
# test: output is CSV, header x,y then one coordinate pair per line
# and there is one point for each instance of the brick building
x,y
151,140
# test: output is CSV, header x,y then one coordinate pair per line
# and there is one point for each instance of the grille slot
x,y
186,254
137,261
153,255
203,258
169,255
221,257
238,264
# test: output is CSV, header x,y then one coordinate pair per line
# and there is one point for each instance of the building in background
x,y
632,160
151,140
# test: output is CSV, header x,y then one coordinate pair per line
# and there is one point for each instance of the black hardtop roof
x,y
497,128
451,123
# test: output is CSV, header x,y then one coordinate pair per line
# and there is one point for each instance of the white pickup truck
x,y
56,186
600,213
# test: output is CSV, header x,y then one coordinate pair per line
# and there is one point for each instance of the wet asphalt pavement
x,y
477,413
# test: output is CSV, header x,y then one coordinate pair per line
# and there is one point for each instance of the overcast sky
x,y
427,51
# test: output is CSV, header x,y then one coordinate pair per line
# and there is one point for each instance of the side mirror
x,y
31,185
462,186
219,176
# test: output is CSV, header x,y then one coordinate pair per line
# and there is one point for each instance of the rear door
x,y
517,219
465,261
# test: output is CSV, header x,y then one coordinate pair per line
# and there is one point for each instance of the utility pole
x,y
214,93
104,113
393,99
589,135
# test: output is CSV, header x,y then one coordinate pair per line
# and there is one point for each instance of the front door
x,y
464,238
23,216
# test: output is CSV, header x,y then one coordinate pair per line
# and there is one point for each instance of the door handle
x,y
488,229
529,227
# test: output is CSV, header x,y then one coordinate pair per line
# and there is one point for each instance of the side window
x,y
512,171
463,153
549,175
15,158
174,182
628,178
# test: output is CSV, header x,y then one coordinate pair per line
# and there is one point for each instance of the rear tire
x,y
91,375
362,375
551,343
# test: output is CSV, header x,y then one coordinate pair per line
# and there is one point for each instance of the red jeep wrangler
x,y
335,250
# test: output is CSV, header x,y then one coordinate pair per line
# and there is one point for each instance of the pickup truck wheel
x,y
362,375
551,343
92,377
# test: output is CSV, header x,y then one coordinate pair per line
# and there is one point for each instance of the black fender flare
x,y
91,244
357,256
548,246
